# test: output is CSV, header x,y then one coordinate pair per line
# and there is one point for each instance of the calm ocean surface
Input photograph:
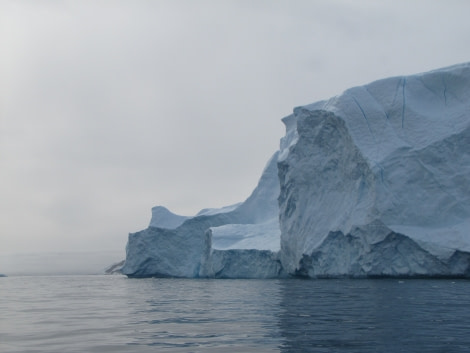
x,y
115,314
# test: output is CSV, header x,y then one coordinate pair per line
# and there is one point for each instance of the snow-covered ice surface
x,y
213,211
373,182
164,218
262,236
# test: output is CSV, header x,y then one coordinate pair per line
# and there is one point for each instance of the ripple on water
x,y
116,314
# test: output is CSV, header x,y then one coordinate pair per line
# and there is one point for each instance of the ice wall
x,y
376,181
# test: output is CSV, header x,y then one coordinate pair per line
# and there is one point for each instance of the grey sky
x,y
108,108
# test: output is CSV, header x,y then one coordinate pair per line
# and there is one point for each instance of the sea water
x,y
116,314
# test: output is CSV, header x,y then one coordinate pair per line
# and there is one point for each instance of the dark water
x,y
116,314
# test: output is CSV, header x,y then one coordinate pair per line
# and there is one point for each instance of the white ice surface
x,y
263,236
213,211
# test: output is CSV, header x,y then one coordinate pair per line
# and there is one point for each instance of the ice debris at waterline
x,y
373,182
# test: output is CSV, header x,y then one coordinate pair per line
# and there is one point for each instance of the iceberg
x,y
373,182
237,241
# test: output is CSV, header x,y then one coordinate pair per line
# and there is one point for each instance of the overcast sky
x,y
108,108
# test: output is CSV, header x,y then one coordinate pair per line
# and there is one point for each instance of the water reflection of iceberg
x,y
374,316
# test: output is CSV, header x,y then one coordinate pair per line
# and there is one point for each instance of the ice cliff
x,y
373,182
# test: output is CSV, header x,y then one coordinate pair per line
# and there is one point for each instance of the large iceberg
x,y
373,182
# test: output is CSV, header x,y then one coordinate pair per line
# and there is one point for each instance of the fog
x,y
108,108
59,263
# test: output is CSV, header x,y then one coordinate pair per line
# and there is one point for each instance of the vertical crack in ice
x,y
381,172
384,108
364,115
370,130
396,92
445,91
404,103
